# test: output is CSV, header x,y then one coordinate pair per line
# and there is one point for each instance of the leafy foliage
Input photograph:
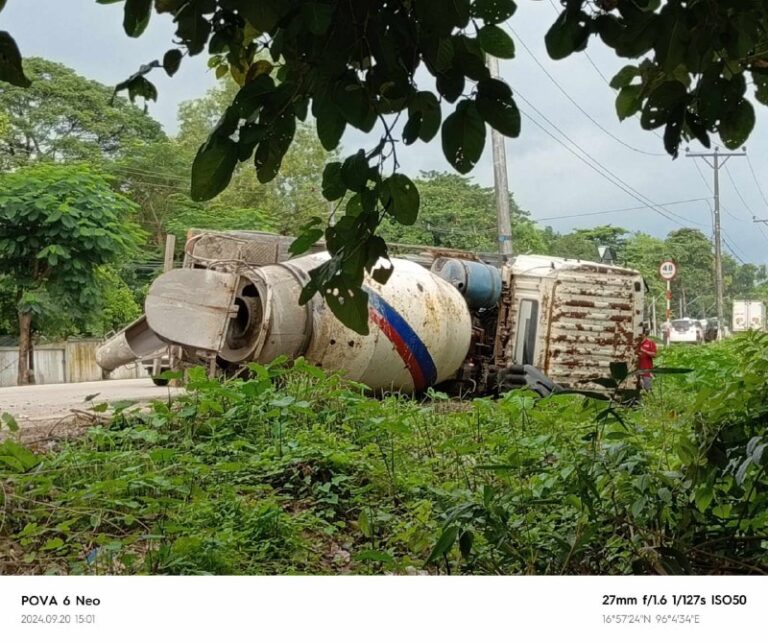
x,y
58,224
294,471
64,117
356,66
457,213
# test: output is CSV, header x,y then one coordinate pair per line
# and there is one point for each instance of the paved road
x,y
30,404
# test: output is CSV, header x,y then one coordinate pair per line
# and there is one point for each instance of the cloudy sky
x,y
573,157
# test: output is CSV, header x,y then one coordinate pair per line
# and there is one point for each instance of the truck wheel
x,y
159,381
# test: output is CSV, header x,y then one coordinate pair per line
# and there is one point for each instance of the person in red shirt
x,y
646,351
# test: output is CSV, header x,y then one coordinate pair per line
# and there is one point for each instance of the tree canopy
x,y
458,213
354,64
58,225
65,117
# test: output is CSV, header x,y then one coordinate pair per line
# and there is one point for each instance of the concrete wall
x,y
71,361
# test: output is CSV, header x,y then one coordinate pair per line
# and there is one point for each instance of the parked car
x,y
686,330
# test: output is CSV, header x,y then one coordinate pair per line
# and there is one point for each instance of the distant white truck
x,y
748,315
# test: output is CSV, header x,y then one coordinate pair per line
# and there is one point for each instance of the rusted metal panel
x,y
596,312
589,316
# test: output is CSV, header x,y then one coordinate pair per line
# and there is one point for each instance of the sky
x,y
566,164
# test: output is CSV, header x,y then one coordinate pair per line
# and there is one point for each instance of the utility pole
x,y
718,160
500,183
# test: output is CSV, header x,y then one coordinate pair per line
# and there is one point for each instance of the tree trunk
x,y
25,349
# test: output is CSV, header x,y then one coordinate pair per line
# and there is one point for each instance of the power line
x,y
719,159
764,233
605,78
730,247
573,101
757,183
597,166
155,175
738,192
619,210
701,175
722,207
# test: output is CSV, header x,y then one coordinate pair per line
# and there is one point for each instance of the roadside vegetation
x,y
297,471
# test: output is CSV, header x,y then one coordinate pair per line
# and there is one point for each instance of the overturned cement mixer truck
x,y
468,323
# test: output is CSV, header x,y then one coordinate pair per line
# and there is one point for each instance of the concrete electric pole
x,y
500,182
718,160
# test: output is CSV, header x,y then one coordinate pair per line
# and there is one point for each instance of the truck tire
x,y
159,381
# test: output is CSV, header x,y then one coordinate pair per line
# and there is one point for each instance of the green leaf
x,y
723,511
625,76
53,543
400,197
262,15
619,371
566,35
11,422
138,85
317,16
424,111
374,556
333,182
703,498
349,305
760,78
354,171
463,137
493,11
465,543
354,104
737,124
501,114
628,101
450,84
308,237
444,544
212,168
364,523
136,16
605,382
594,395
17,457
496,42
663,101
330,123
172,61
11,70
271,151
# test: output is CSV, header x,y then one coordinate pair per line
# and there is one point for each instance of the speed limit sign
x,y
667,270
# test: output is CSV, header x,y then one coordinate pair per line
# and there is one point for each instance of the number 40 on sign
x,y
667,270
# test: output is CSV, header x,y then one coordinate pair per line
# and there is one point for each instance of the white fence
x,y
70,361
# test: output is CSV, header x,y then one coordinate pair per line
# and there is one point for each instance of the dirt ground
x,y
50,412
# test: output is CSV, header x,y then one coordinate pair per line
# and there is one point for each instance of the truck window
x,y
527,322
